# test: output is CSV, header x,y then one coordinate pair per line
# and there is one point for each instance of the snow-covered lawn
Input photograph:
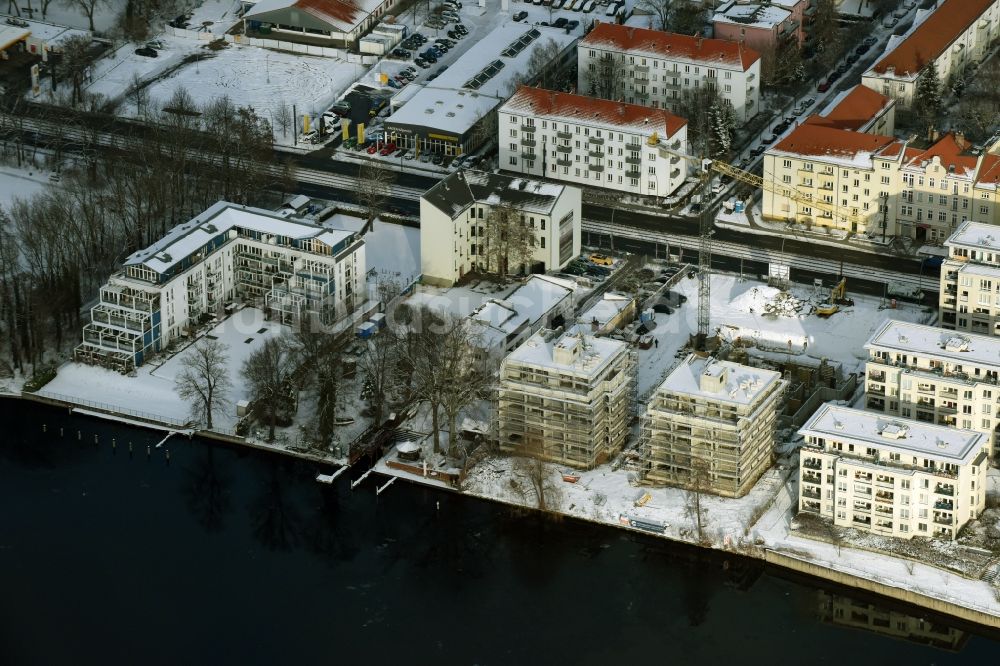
x,y
21,183
151,394
390,249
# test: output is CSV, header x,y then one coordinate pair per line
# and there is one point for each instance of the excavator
x,y
838,297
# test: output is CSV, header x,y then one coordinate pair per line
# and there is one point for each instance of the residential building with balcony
x,y
955,35
711,424
935,376
890,476
658,69
594,142
230,253
457,213
969,299
766,27
849,174
566,398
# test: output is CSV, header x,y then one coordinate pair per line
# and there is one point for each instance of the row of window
x,y
671,66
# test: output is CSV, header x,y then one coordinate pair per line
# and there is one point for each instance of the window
x,y
513,159
787,164
542,240
513,147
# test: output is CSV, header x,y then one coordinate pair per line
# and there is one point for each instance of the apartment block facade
x,y
969,298
227,254
955,35
711,424
935,376
595,142
657,69
895,477
455,218
566,398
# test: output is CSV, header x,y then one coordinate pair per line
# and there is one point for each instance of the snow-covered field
x,y
390,249
21,183
151,394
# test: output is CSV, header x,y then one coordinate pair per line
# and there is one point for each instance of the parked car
x,y
823,86
572,25
425,158
601,259
312,136
401,152
461,29
372,149
437,160
587,7
455,34
393,83
420,62
520,16
400,54
560,22
663,308
146,51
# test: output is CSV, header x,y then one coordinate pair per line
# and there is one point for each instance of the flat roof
x,y
189,237
960,347
525,305
765,17
343,15
11,34
976,236
894,434
742,386
481,79
595,353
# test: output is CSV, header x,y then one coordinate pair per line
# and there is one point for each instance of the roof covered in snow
x,y
975,236
890,433
481,79
592,111
342,15
462,189
967,349
603,311
590,355
932,37
765,17
671,46
738,384
217,221
525,306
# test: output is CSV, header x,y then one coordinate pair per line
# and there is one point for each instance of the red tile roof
x,y
989,173
932,37
811,139
583,109
949,151
671,45
342,14
854,110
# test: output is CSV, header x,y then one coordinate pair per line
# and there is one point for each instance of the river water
x,y
226,556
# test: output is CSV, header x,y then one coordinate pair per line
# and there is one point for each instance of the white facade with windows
x,y
656,68
230,253
455,214
969,298
592,142
935,376
895,477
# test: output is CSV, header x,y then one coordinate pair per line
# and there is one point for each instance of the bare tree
x,y
268,373
204,379
138,94
88,7
698,485
378,363
541,481
605,78
374,182
321,355
283,118
508,242
12,4
74,63
465,372
659,9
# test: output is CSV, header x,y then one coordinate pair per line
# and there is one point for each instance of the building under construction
x,y
711,425
567,398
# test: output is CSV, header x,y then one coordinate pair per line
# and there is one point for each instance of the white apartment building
x,y
227,254
566,398
850,173
890,476
455,216
969,297
591,141
935,376
712,418
955,35
656,68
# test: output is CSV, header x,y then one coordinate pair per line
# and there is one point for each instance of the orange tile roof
x,y
811,139
949,152
583,109
671,45
932,37
854,110
989,173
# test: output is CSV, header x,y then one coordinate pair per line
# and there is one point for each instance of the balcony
x,y
596,154
812,463
941,489
641,79
883,496
812,493
942,520
525,127
862,520
633,147
875,389
596,140
528,156
877,376
564,149
564,162
528,142
633,160
944,505
599,168
564,135
633,173
813,478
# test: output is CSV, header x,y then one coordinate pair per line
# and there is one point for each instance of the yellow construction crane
x,y
754,180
